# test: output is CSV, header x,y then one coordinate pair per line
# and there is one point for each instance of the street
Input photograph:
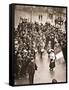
x,y
44,75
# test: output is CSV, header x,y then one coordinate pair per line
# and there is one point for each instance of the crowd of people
x,y
31,38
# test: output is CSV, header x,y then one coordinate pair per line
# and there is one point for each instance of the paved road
x,y
43,75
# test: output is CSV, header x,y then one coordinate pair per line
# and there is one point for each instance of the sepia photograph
x,y
40,43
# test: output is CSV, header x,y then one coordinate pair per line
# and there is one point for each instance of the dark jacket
x,y
32,67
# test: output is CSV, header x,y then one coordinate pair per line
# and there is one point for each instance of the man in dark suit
x,y
31,70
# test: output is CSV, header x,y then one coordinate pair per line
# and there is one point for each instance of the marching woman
x,y
52,57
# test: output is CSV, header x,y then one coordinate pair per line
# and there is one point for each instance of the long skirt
x,y
52,64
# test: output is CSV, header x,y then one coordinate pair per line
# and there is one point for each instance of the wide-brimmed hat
x,y
51,50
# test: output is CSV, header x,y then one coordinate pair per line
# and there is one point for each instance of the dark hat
x,y
54,81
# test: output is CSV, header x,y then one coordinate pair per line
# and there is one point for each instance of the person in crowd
x,y
31,70
52,40
52,57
